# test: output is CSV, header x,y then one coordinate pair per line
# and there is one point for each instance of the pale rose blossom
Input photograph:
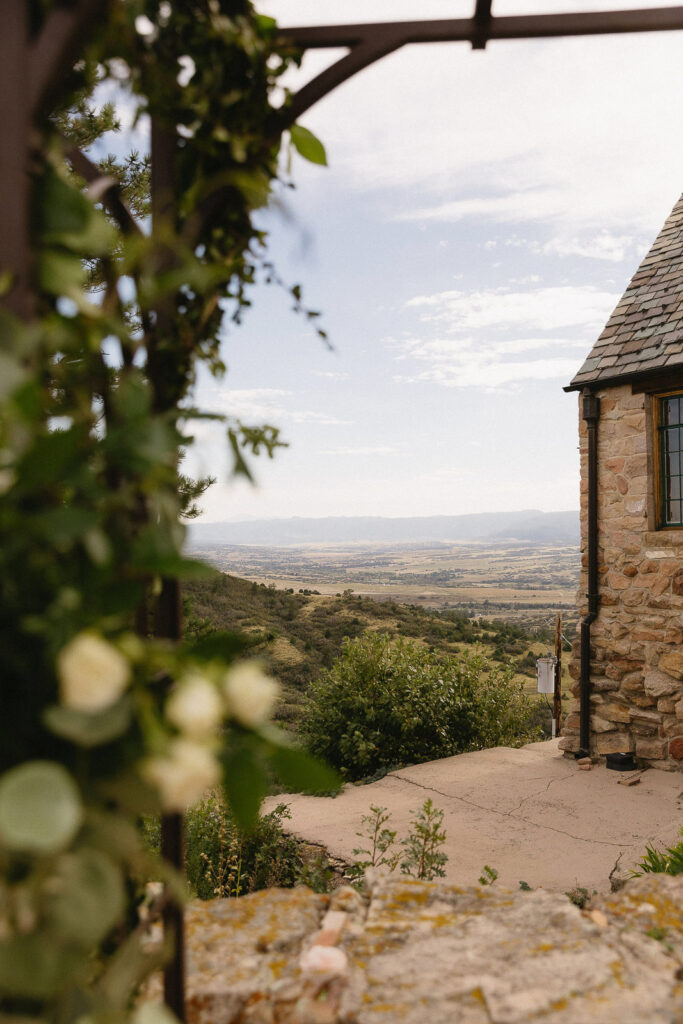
x,y
183,775
92,673
324,959
250,693
7,480
195,706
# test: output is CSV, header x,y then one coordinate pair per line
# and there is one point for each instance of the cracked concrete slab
x,y
530,813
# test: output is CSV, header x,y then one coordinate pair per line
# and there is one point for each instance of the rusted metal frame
x,y
168,611
482,19
59,45
522,26
361,56
371,41
15,117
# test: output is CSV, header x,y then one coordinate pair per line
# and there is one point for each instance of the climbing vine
x,y
107,716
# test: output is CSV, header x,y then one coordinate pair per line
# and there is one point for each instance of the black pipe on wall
x,y
590,411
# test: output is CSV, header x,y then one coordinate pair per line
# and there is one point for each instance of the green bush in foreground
x,y
222,860
668,861
386,703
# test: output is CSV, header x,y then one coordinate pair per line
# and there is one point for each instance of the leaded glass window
x,y
671,451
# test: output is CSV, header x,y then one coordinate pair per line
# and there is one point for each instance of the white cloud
x,y
253,403
498,338
271,405
481,362
603,246
539,309
478,369
331,374
567,131
309,416
379,449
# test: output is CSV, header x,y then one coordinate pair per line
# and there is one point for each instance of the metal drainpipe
x,y
590,410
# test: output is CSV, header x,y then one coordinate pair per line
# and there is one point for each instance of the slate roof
x,y
644,334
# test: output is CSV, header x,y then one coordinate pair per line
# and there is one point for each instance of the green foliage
x,y
579,895
381,840
386,703
105,716
223,860
489,875
668,861
422,857
419,856
307,145
300,634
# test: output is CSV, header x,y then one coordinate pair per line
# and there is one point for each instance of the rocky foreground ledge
x,y
433,953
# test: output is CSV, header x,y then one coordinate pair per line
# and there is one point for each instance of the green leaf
x,y
61,273
68,218
36,966
302,773
132,398
245,782
62,209
65,524
307,145
50,459
89,897
40,808
89,730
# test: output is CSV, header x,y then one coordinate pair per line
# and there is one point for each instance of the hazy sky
x,y
481,215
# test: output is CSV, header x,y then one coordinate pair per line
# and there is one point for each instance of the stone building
x,y
627,664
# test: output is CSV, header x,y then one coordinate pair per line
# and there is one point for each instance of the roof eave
x,y
674,372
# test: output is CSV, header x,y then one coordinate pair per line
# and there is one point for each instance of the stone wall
x,y
637,639
409,952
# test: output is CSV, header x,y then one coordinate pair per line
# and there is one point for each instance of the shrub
x,y
222,860
668,861
421,856
388,702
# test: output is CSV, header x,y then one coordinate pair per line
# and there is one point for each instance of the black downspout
x,y
590,411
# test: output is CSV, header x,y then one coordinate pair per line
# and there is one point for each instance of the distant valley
x,y
529,525
522,582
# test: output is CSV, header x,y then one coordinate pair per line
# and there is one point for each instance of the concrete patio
x,y
530,813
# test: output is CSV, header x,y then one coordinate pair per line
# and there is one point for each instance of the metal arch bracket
x,y
371,41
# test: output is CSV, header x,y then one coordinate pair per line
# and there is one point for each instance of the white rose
x,y
250,693
7,480
92,673
183,775
195,706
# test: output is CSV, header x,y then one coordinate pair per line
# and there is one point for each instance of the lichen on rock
x,y
413,952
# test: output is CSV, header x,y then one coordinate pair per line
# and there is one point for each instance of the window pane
x,y
671,465
673,513
670,411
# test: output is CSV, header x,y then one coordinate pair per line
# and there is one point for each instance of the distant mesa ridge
x,y
529,525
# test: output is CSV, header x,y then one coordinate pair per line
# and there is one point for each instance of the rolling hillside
x,y
298,634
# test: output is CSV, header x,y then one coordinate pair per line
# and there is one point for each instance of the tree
x,y
386,703
105,714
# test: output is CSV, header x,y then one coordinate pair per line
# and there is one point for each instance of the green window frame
x,y
670,444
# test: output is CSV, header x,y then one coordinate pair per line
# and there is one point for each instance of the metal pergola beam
x,y
371,41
